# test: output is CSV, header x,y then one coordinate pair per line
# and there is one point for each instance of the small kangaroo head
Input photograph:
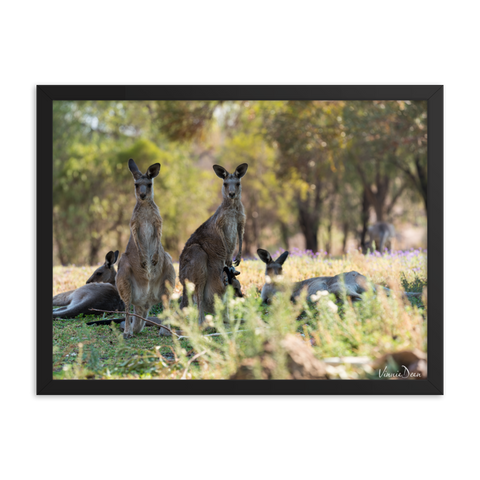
x,y
274,267
232,187
144,181
356,280
106,273
231,274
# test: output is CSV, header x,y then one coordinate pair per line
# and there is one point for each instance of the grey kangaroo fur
x,y
229,275
352,284
145,272
94,294
211,246
382,234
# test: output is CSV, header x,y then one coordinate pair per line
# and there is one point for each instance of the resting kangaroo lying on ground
x,y
103,296
145,272
353,282
211,246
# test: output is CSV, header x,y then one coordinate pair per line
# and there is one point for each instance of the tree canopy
x,y
322,170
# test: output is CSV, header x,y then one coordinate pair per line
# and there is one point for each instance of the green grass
x,y
371,328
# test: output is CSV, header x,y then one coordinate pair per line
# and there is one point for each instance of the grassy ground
x,y
371,328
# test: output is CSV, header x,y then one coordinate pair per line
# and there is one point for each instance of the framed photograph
x,y
240,239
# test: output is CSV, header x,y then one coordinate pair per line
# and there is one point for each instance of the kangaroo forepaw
x,y
236,263
126,336
155,259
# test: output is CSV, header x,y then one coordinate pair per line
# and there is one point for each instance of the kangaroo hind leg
x,y
137,323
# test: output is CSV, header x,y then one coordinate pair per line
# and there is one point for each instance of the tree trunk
x,y
61,255
284,234
345,236
248,237
376,198
365,216
95,244
331,210
423,181
309,220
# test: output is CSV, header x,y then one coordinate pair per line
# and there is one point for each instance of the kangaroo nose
x,y
232,195
143,195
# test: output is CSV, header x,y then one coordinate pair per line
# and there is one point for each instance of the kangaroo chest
x,y
146,233
228,224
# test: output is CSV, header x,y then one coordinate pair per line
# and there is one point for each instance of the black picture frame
x,y
46,94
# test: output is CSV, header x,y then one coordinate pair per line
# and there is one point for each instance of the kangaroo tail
x,y
72,310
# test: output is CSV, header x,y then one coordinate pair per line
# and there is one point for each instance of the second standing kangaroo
x,y
211,246
145,271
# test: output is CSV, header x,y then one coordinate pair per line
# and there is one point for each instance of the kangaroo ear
x,y
116,256
153,170
281,259
134,169
241,170
220,171
109,259
264,256
225,269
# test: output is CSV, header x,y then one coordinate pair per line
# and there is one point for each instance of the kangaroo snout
x,y
231,195
142,191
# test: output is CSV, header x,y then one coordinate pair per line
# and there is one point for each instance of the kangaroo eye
x,y
98,273
224,184
149,184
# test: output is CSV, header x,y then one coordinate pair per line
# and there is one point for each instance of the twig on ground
x,y
180,337
158,347
184,376
138,316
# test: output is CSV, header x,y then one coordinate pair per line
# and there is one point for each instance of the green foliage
x,y
93,194
315,168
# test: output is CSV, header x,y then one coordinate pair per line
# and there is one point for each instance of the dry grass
x,y
372,328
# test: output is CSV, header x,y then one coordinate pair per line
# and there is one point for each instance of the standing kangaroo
x,y
382,234
145,272
94,294
353,282
211,246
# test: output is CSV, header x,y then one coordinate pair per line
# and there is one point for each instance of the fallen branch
x,y
138,316
180,337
